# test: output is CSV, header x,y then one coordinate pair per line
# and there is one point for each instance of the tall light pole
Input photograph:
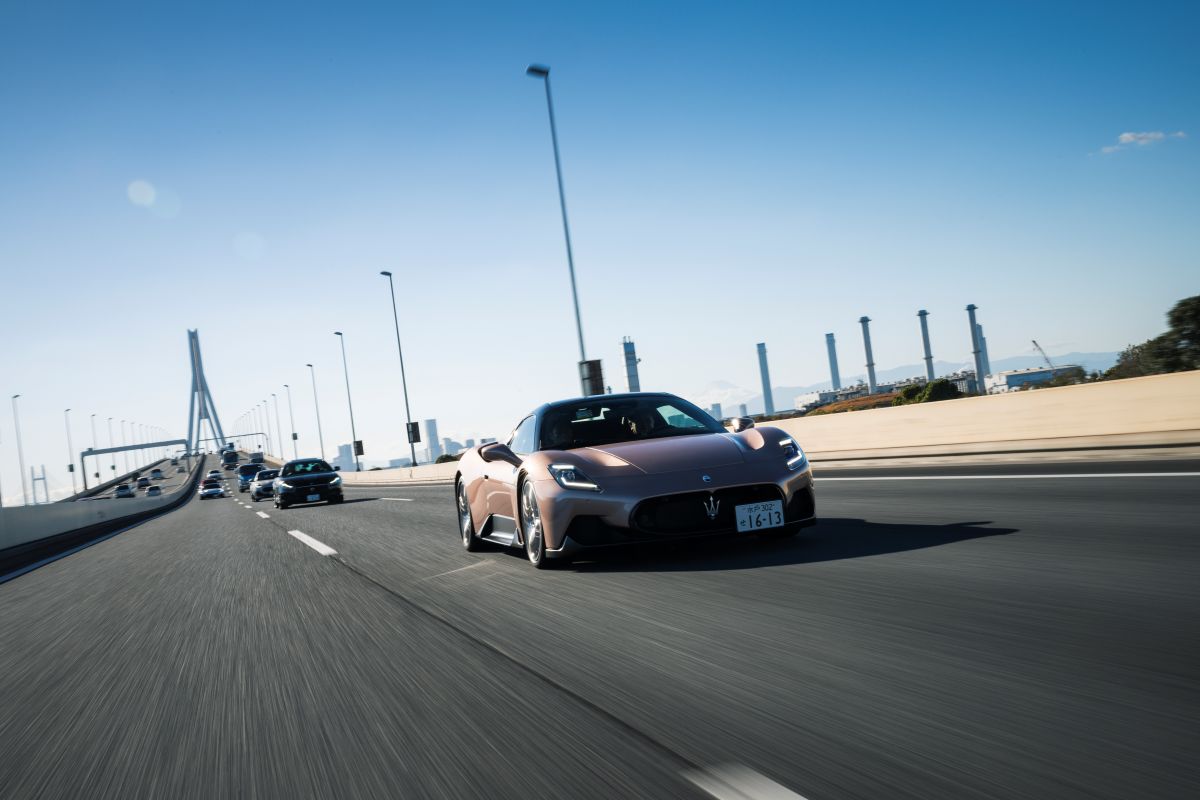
x,y
70,450
543,72
20,452
349,402
412,448
320,436
266,418
96,458
124,453
292,420
111,456
278,427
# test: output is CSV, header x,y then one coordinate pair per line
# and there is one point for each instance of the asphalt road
x,y
947,635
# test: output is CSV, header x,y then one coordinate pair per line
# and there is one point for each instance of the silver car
x,y
263,485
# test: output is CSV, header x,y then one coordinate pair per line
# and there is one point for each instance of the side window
x,y
521,442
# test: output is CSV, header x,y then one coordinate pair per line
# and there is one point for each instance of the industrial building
x,y
1014,380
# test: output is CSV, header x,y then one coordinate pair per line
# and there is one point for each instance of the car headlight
x,y
337,479
284,484
793,453
569,476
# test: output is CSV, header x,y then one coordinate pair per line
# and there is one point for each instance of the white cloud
x,y
141,193
1141,139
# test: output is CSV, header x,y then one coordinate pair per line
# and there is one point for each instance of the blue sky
x,y
735,173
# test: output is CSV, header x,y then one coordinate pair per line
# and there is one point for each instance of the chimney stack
x,y
866,326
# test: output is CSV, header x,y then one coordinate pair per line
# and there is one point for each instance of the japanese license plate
x,y
756,516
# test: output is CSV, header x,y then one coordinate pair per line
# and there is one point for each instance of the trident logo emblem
x,y
710,507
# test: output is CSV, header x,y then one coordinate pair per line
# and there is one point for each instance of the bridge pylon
x,y
200,406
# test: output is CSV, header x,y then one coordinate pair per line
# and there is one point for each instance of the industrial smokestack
x,y
631,362
831,346
976,351
866,326
768,401
925,341
983,353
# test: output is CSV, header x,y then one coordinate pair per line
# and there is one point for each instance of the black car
x,y
307,480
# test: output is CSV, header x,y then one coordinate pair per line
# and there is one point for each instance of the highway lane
x,y
952,638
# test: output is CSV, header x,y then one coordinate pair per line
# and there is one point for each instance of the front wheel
x,y
466,526
531,527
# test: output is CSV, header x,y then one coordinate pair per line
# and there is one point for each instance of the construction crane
x,y
1045,357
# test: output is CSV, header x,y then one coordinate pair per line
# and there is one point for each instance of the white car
x,y
154,491
263,484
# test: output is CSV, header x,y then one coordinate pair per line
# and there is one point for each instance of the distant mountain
x,y
729,395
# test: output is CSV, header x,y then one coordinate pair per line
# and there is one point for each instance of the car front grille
x,y
692,512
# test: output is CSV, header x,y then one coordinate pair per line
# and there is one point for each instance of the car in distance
x,y
180,469
214,473
156,474
229,459
211,488
256,458
154,491
143,482
263,484
245,474
307,480
124,490
629,468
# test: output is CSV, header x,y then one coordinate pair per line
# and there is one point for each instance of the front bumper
x,y
577,520
300,494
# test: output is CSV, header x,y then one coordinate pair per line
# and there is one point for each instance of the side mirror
x,y
499,452
742,424
337,469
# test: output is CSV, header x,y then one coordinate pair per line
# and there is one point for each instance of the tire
x,y
531,527
466,525
337,500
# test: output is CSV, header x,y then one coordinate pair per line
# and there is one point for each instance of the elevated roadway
x,y
1021,631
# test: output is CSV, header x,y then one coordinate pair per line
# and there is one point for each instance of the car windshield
x,y
306,468
607,420
266,475
248,469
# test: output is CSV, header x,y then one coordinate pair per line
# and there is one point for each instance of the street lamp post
x,y
349,402
70,449
95,457
292,420
20,451
543,72
124,453
278,427
111,456
320,436
412,448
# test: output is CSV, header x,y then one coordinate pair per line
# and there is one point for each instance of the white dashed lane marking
x,y
320,547
264,516
736,782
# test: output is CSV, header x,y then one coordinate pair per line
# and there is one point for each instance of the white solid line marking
x,y
1015,477
398,499
735,782
460,569
264,516
323,549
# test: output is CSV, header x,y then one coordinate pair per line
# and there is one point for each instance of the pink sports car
x,y
623,468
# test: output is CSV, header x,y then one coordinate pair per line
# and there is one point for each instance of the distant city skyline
x,y
734,174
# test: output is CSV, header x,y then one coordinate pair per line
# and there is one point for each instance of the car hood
x,y
671,454
309,479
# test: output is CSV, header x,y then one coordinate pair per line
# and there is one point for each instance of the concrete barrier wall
x,y
1139,412
23,524
1156,410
